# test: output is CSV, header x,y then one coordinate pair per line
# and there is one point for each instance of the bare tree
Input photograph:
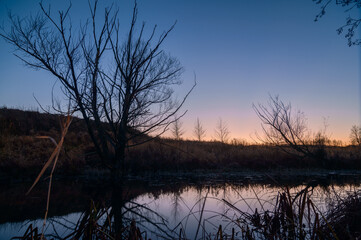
x,y
284,128
199,131
177,129
221,132
355,135
122,89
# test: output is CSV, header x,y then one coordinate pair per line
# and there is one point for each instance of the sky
x,y
241,52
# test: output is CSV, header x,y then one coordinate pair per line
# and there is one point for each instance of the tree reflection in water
x,y
166,211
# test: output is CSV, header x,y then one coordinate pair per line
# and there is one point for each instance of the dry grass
x,y
22,154
167,154
345,216
25,155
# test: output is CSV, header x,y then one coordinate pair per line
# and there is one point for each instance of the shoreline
x,y
280,175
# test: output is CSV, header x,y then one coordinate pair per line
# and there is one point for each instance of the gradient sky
x,y
241,51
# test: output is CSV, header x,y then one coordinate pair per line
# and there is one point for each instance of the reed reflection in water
x,y
223,204
193,209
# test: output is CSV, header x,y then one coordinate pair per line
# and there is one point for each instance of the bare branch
x,y
284,128
123,90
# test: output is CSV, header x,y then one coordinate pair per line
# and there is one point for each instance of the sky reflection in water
x,y
182,208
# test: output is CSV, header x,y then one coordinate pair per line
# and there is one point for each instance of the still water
x,y
195,208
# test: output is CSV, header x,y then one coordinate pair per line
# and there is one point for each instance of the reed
x,y
32,233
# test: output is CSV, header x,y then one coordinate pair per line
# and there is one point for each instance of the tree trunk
x,y
117,206
118,173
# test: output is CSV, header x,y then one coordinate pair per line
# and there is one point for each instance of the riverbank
x,y
274,177
23,153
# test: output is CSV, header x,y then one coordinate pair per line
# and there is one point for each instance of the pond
x,y
168,205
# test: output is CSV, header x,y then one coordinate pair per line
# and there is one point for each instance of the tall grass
x,y
33,233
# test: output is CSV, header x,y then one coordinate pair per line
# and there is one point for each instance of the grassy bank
x,y
163,154
22,154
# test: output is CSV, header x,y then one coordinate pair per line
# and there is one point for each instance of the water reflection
x,y
164,208
223,204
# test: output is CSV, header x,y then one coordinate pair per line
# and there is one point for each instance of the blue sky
x,y
241,51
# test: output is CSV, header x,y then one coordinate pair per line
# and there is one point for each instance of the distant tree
x,y
321,139
239,142
221,131
284,128
352,23
177,129
337,143
199,131
122,89
355,135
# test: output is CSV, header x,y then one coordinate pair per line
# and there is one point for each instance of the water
x,y
174,205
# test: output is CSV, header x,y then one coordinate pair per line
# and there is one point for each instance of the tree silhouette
x,y
355,135
122,89
284,128
199,131
177,129
221,131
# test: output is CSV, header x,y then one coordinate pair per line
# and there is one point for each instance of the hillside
x,y
22,154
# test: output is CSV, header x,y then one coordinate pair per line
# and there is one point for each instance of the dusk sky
x,y
240,51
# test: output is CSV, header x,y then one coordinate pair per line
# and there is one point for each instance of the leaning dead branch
x,y
283,127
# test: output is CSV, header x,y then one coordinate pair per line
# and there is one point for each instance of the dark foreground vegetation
x,y
23,153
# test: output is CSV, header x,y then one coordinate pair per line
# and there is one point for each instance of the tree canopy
x,y
123,88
